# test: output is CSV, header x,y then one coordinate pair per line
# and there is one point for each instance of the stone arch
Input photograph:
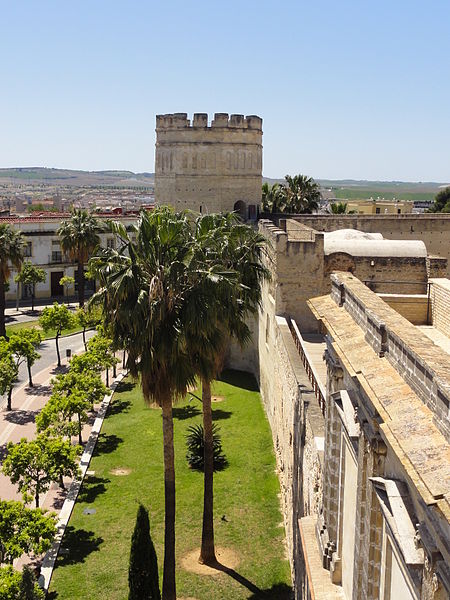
x,y
240,207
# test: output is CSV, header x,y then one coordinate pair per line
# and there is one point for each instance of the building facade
x,y
209,168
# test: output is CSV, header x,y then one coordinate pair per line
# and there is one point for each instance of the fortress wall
x,y
432,229
296,423
208,168
440,301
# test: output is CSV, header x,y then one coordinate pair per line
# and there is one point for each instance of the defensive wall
x,y
432,229
209,167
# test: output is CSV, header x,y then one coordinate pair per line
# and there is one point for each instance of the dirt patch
x,y
186,598
226,559
120,471
217,398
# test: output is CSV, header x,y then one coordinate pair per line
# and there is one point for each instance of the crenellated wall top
x,y
200,120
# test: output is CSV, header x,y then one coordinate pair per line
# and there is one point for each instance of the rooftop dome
x,y
359,243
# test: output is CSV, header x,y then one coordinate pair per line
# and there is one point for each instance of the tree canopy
x,y
299,194
11,253
30,274
441,201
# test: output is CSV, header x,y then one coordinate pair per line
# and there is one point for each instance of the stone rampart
x,y
440,304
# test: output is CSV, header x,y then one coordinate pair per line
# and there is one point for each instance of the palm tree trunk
x,y
57,349
80,283
169,586
30,380
2,307
207,553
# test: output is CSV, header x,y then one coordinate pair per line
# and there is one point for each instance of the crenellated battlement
x,y
200,120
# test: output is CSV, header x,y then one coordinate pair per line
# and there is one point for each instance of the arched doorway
x,y
240,207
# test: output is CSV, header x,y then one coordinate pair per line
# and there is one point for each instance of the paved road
x,y
47,350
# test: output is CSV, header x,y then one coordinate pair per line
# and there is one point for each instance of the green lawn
x,y
29,324
247,512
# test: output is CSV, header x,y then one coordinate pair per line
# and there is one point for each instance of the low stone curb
x,y
48,563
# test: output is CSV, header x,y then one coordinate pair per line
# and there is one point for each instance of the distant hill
x,y
341,188
43,175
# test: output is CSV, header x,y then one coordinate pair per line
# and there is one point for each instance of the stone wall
x,y
414,307
432,229
208,168
440,305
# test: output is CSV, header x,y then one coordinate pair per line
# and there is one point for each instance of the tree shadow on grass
x,y
240,379
107,443
218,414
76,545
279,591
92,487
126,386
185,412
118,406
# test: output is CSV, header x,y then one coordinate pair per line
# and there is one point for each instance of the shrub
x,y
195,448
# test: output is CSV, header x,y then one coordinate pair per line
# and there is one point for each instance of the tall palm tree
x,y
234,250
79,238
147,291
302,194
11,253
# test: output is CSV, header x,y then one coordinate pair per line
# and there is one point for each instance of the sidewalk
x,y
20,422
24,313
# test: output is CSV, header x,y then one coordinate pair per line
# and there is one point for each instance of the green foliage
x,y
30,274
29,588
67,281
338,208
441,201
9,583
22,345
57,317
8,370
24,530
300,195
34,464
195,448
11,253
89,316
143,580
100,353
39,207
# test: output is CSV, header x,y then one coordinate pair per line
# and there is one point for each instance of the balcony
x,y
55,257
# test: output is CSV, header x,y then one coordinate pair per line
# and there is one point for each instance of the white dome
x,y
359,243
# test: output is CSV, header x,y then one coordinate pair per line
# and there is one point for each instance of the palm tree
x,y
302,194
234,250
11,253
79,238
147,290
338,208
273,198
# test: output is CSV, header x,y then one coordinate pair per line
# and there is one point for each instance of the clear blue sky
x,y
346,89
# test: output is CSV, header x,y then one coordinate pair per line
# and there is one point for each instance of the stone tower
x,y
209,168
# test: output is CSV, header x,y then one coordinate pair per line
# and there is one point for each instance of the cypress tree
x,y
143,580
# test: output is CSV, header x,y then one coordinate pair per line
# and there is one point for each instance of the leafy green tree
x,y
143,580
67,282
144,296
22,344
11,253
79,238
74,395
29,588
24,530
88,317
441,201
30,275
57,318
100,354
8,372
34,464
338,208
9,583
